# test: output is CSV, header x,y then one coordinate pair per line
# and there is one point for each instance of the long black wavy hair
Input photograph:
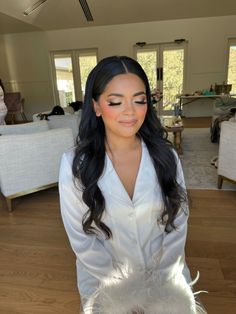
x,y
88,163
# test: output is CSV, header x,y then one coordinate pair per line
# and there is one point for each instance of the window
x,y
164,65
64,78
148,60
231,79
87,61
70,71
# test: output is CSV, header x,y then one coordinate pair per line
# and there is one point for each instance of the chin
x,y
130,132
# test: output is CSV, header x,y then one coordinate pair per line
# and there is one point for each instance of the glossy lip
x,y
129,122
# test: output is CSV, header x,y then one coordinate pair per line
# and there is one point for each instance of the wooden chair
x,y
15,105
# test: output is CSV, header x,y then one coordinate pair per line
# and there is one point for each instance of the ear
x,y
97,108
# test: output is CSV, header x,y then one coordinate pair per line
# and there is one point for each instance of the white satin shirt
x,y
138,240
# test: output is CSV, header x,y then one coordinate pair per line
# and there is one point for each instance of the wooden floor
x,y
37,266
211,247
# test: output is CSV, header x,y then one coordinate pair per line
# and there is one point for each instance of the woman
x,y
123,200
3,108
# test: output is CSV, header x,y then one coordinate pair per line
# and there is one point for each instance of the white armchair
x,y
227,153
30,162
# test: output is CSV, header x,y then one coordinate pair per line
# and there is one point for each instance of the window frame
x,y
160,48
74,53
231,42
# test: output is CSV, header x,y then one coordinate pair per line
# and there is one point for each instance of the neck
x,y
121,145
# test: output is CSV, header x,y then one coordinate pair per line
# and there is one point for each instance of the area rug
x,y
198,152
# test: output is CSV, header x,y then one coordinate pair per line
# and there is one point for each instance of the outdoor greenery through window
x,y
70,73
232,66
164,66
147,59
87,61
64,78
173,76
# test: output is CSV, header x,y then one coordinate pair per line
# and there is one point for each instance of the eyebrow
x,y
120,95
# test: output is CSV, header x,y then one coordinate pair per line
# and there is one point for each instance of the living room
x,y
37,264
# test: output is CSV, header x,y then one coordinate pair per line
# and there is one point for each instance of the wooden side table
x,y
177,133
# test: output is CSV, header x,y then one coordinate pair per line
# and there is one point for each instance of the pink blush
x,y
110,112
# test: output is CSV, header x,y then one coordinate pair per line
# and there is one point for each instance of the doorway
x,y
164,65
70,70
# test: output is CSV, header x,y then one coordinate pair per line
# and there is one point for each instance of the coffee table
x,y
177,133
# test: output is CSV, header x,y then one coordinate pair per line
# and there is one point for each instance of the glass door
x,y
231,77
64,78
164,66
172,79
148,58
70,70
87,61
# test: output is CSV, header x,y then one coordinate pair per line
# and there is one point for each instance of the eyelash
x,y
142,102
114,103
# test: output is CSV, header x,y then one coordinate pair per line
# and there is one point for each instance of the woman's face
x,y
122,105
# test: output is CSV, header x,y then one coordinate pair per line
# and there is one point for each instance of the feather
x,y
147,293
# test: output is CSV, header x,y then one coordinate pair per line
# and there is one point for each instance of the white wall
x,y
24,62
27,70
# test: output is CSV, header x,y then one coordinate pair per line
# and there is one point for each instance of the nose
x,y
129,107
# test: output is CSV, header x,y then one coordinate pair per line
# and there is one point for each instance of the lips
x,y
128,123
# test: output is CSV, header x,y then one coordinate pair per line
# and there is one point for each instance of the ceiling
x,y
63,14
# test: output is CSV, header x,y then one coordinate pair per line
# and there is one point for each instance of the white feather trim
x,y
144,293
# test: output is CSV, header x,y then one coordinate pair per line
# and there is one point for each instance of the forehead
x,y
125,82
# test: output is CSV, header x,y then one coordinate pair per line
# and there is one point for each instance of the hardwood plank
x,y
20,299
211,247
36,255
228,268
197,248
37,265
210,268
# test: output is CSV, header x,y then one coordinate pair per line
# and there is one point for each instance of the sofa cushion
x,y
24,128
65,121
33,160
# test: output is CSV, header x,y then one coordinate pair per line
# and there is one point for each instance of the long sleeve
x,y
93,262
173,248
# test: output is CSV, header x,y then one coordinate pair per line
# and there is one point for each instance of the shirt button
x,y
131,215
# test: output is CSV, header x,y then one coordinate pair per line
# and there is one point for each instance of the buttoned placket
x,y
117,190
137,246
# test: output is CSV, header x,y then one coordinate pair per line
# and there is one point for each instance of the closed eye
x,y
114,103
141,102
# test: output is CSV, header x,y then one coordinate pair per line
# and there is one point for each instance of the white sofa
x,y
24,128
227,152
30,157
61,121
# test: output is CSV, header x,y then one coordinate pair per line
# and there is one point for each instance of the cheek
x,y
141,111
109,112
